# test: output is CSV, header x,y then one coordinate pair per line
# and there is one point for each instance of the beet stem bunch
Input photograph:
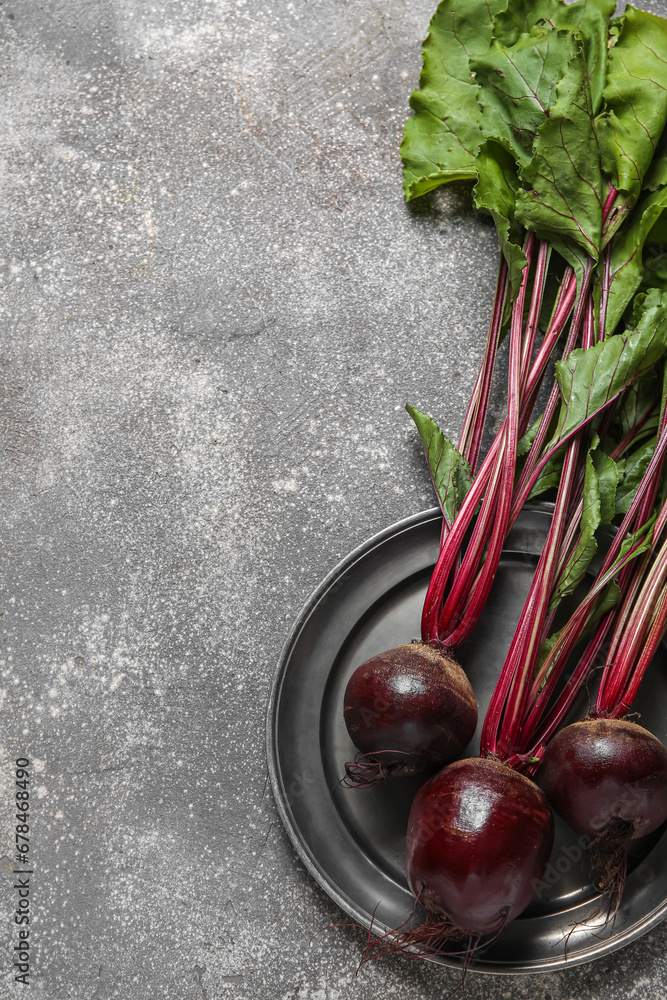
x,y
559,123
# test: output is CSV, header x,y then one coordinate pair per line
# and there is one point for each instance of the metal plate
x,y
353,840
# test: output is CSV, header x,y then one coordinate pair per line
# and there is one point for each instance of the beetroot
x,y
479,836
607,778
601,771
409,711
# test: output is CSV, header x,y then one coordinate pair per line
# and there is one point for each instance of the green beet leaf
x,y
608,475
635,99
495,193
549,476
655,271
604,595
517,85
526,442
656,175
626,254
590,379
634,467
590,18
449,470
638,400
564,202
598,509
655,181
442,138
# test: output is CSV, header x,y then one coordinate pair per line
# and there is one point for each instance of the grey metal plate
x,y
353,840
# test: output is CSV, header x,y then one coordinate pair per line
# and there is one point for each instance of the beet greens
x,y
556,112
539,114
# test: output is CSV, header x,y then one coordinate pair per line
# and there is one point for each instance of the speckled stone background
x,y
214,304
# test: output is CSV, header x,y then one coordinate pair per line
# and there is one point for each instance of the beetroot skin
x,y
479,838
603,770
409,711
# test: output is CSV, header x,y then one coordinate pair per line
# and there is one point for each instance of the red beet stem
x,y
617,688
522,656
460,585
471,586
631,436
635,639
609,203
529,473
543,686
470,441
509,702
655,634
531,378
605,286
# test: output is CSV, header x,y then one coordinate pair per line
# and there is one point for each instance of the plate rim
x,y
291,828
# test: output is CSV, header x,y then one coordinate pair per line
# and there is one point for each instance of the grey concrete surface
x,y
214,304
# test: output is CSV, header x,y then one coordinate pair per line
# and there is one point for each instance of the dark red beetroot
x,y
409,711
479,837
602,772
607,778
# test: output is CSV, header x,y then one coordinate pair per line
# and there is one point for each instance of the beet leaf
x,y
635,100
442,137
449,470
